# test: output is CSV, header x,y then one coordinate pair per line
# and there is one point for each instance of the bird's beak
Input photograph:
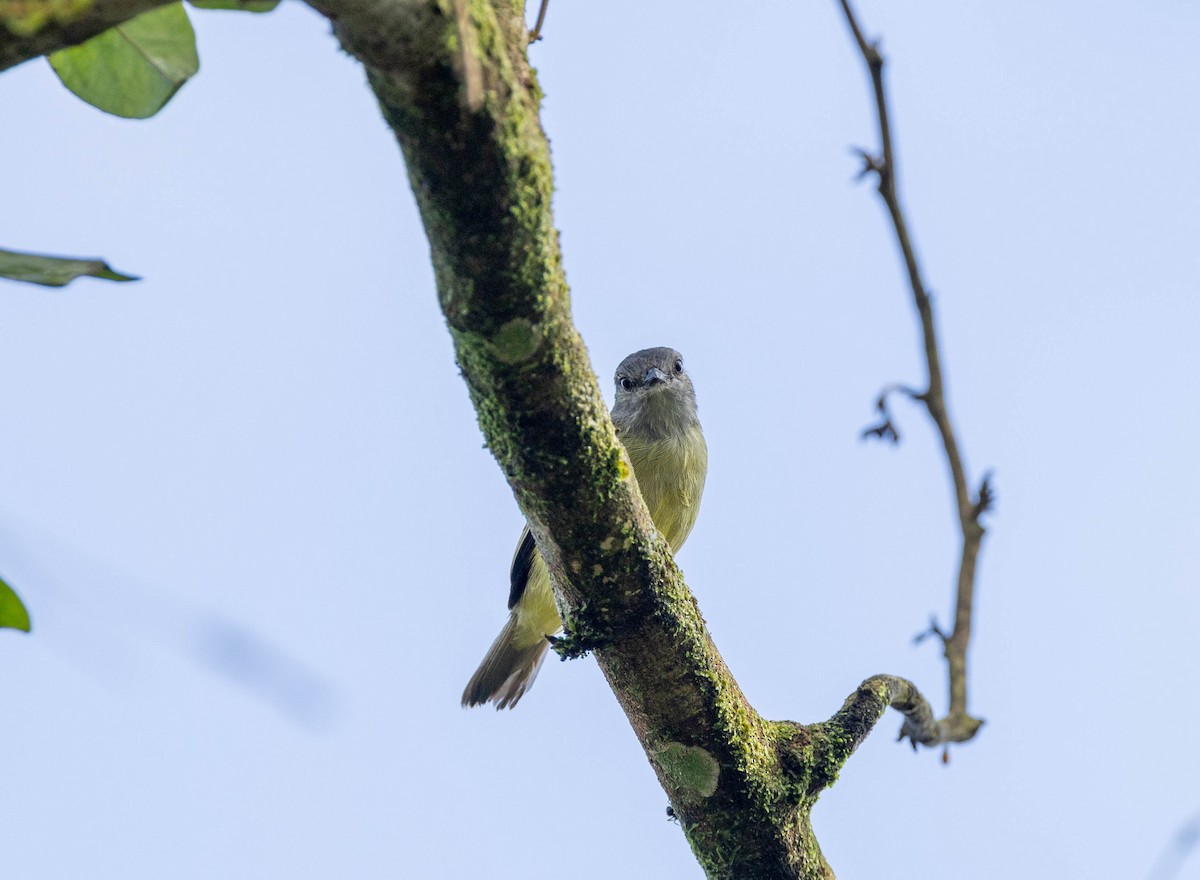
x,y
655,376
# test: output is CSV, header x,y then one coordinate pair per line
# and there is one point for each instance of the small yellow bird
x,y
655,417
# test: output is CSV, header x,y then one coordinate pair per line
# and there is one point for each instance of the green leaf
x,y
132,70
243,5
54,271
12,613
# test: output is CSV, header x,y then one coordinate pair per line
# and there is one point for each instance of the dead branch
x,y
958,725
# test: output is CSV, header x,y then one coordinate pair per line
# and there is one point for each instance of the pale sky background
x,y
247,503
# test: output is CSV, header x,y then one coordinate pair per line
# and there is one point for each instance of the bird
x,y
654,412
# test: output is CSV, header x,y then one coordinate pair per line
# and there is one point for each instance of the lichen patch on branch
x,y
692,769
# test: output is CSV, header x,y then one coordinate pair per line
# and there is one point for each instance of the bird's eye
x,y
678,365
625,382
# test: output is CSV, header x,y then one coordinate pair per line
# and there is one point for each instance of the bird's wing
x,y
518,575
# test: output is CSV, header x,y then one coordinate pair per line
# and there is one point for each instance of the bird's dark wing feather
x,y
518,576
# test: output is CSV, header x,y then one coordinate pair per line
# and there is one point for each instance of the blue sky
x,y
249,508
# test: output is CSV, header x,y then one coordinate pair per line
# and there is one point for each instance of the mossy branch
x,y
454,84
863,708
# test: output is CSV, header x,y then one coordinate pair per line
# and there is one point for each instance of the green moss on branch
x,y
457,90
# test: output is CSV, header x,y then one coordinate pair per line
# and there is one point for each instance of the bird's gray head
x,y
654,394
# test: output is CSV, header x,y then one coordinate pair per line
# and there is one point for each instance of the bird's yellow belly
x,y
670,474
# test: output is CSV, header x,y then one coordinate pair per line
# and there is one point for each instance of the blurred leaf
x,y
54,271
242,5
24,18
12,613
132,70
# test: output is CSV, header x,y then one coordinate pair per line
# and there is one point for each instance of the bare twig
x,y
536,33
886,428
957,726
933,630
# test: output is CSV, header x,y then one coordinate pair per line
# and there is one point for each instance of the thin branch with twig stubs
x,y
536,33
958,725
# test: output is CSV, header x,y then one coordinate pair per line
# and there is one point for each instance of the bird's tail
x,y
508,669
